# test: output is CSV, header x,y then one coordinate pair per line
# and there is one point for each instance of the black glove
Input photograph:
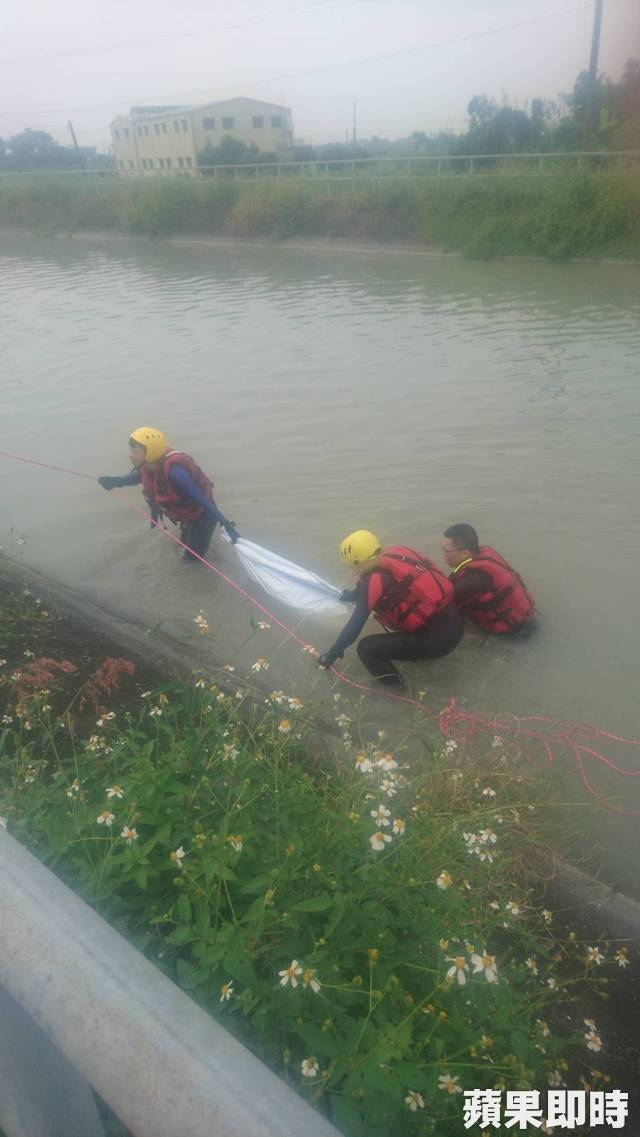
x,y
232,531
348,595
328,659
108,483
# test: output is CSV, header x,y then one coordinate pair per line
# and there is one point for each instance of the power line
x,y
257,19
326,67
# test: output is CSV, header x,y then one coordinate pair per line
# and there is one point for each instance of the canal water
x,y
324,391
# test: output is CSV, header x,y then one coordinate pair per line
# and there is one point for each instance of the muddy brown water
x,y
329,390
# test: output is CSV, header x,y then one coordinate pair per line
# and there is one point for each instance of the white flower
x,y
552,984
262,625
284,726
260,665
235,840
178,856
155,712
449,1083
277,697
486,963
309,1067
308,649
593,1040
146,694
445,880
106,818
115,791
494,905
488,837
129,835
388,787
379,840
226,991
201,622
228,667
343,721
594,955
200,684
106,718
295,704
414,1100
532,965
290,974
399,826
621,957
381,815
544,1027
309,980
458,970
496,743
488,792
555,1078
387,763
512,907
590,1023
450,746
363,764
546,915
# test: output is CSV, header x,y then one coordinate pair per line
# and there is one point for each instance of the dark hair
x,y
463,536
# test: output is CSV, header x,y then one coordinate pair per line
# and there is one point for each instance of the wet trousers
x,y
439,636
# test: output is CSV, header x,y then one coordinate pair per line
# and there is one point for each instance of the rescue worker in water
x,y
485,587
408,594
175,486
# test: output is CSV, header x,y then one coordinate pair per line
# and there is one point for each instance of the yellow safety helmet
x,y
359,547
154,442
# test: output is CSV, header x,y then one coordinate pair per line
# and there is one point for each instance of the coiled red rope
x,y
545,734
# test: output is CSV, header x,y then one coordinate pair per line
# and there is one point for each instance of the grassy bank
x,y
371,926
575,214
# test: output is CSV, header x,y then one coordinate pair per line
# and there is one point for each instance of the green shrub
x,y
368,923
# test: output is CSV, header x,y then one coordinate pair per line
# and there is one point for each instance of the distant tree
x,y
233,152
35,149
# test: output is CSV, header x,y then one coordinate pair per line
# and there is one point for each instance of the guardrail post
x,y
41,1093
472,165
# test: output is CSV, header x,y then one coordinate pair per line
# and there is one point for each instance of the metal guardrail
x,y
81,1007
437,165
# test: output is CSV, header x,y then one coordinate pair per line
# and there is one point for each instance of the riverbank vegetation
x,y
370,923
566,215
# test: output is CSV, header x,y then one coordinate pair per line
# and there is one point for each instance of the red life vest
x,y
418,589
507,605
162,495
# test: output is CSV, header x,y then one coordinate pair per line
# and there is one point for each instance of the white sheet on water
x,y
289,583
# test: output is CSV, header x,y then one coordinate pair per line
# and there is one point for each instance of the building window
x,y
185,125
161,161
258,121
228,123
116,135
209,123
130,164
146,131
121,164
139,130
164,128
188,161
126,133
181,162
176,125
276,121
168,163
156,127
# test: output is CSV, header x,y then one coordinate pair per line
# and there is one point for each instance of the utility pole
x,y
355,135
75,143
593,71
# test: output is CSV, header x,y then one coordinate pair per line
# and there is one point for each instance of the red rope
x,y
454,722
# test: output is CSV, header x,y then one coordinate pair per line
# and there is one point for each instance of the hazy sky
x,y
88,61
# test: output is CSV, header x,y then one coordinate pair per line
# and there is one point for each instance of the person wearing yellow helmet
x,y
174,486
408,595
